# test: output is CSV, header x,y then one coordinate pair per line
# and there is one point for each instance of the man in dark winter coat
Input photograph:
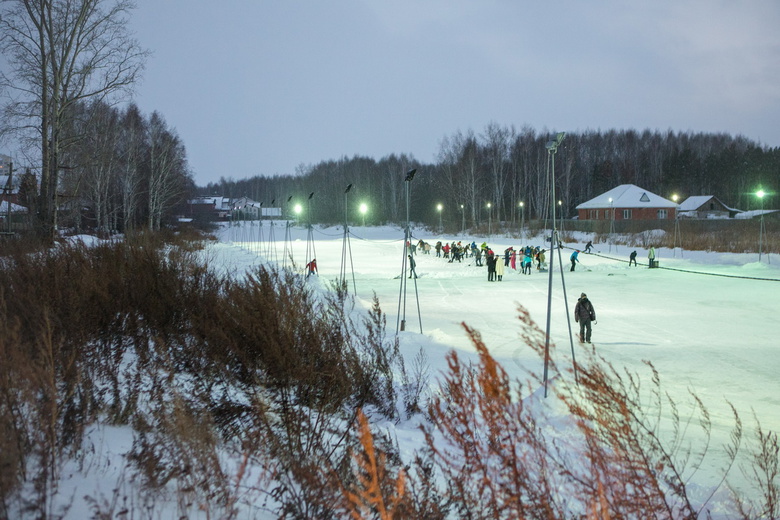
x,y
491,267
584,314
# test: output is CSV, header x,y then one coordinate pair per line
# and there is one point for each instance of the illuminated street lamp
x,y
463,217
439,207
611,225
560,210
363,211
490,220
677,234
522,219
761,229
297,209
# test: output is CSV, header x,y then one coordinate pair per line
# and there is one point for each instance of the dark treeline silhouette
x,y
503,166
121,171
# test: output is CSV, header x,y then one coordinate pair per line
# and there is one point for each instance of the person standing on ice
x,y
584,315
588,246
490,260
574,259
499,269
651,256
527,264
632,259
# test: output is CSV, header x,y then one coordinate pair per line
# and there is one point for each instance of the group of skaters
x,y
496,263
574,258
527,257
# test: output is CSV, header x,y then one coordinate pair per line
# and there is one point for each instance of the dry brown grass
x,y
217,375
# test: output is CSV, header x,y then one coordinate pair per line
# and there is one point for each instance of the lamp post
x,y
552,148
522,220
298,209
560,210
346,248
761,229
363,211
490,221
463,219
677,235
611,224
401,323
439,207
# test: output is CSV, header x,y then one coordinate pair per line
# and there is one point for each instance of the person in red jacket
x,y
311,267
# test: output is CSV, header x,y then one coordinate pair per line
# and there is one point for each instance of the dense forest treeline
x,y
503,167
122,171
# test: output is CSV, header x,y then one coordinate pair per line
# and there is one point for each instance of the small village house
x,y
627,202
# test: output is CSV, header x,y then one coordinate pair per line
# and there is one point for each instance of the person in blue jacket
x,y
574,259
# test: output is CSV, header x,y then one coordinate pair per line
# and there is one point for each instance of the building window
x,y
626,214
661,214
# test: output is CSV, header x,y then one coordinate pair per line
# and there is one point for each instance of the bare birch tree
x,y
496,139
63,52
131,150
168,174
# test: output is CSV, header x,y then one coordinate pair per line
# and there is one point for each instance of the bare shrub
x,y
499,459
763,473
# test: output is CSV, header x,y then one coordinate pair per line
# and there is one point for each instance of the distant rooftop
x,y
627,196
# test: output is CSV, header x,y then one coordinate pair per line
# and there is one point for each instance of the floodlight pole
x,y
407,250
611,224
346,247
490,221
287,237
260,237
522,221
761,226
677,234
552,148
463,219
311,254
560,205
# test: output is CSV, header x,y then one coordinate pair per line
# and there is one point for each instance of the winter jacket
x,y
584,310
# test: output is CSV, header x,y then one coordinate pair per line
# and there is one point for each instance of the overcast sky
x,y
259,87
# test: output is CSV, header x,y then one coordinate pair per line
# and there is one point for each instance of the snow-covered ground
x,y
707,321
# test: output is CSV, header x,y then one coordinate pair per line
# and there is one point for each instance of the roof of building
x,y
696,201
627,196
15,208
216,200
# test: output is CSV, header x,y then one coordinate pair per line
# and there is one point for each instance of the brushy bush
x,y
122,331
492,452
250,390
